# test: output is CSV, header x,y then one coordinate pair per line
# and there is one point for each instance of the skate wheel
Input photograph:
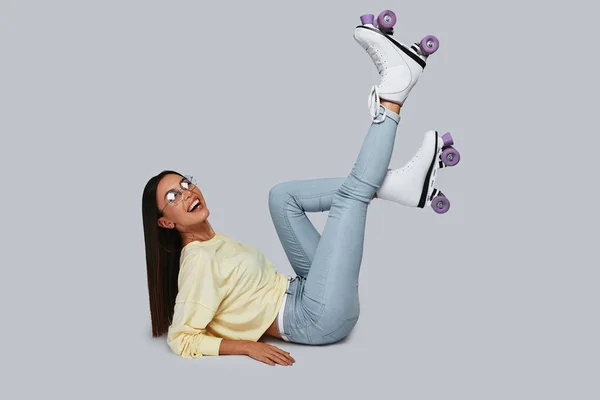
x,y
450,156
440,204
429,45
386,20
367,19
447,139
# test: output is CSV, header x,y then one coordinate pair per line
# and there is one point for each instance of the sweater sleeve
x,y
201,290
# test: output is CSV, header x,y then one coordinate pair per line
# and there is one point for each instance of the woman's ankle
x,y
391,106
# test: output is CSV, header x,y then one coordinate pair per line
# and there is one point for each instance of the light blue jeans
x,y
322,305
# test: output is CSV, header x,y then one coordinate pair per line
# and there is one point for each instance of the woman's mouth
x,y
195,206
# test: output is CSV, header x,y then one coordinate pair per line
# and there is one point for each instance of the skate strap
x,y
374,105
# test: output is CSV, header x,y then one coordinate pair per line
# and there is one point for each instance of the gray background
x,y
497,299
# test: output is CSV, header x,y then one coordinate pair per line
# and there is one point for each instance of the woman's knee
x,y
279,195
354,188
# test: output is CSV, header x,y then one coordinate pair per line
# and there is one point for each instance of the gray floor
x,y
498,299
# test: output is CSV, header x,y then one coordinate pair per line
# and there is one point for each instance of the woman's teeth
x,y
193,206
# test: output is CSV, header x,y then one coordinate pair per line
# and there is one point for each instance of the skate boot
x,y
412,185
398,65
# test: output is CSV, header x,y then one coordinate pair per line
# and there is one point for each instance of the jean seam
x,y
313,196
308,335
322,307
346,320
299,326
368,161
358,176
321,311
285,214
287,221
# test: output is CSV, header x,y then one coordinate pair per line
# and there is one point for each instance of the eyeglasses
x,y
174,196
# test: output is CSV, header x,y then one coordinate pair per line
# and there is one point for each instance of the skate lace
x,y
377,59
412,161
375,104
409,164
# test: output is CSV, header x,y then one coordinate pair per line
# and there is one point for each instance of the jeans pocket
x,y
341,331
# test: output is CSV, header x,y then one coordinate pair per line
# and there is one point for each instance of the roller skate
x,y
398,65
412,185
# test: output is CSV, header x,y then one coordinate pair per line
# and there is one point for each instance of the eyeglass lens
x,y
174,196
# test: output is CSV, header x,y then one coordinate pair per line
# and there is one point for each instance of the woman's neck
x,y
202,233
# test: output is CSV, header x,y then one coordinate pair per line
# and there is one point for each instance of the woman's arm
x,y
234,347
257,350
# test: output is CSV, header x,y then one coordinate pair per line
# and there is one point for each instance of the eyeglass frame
x,y
192,182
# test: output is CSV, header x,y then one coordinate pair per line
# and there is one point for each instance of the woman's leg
x,y
329,302
288,204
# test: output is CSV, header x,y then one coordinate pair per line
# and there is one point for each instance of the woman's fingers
x,y
266,360
272,355
284,353
279,358
290,357
287,356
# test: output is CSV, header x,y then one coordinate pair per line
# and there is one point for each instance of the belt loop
x,y
287,289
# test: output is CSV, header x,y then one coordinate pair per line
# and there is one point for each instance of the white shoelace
x,y
374,105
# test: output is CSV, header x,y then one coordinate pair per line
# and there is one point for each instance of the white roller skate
x,y
412,185
398,65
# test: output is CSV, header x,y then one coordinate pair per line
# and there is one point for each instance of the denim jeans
x,y
322,304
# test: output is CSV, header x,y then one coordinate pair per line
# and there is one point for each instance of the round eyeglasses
x,y
174,196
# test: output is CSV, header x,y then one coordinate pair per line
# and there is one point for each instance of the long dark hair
x,y
163,250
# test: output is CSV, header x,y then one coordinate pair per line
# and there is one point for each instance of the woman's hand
x,y
269,354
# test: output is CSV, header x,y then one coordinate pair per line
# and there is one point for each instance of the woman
x,y
214,295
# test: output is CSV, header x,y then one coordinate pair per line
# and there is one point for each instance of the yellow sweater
x,y
227,290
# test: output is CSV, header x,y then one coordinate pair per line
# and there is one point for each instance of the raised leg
x,y
330,296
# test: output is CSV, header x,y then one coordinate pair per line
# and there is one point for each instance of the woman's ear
x,y
165,223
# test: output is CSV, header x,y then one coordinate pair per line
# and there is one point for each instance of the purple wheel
x,y
386,20
447,139
367,19
440,204
429,45
450,156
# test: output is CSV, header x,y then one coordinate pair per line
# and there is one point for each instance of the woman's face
x,y
175,195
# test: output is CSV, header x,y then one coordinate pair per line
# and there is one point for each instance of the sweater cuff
x,y
209,345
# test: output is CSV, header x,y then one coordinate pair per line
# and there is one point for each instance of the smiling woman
x,y
215,295
195,273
